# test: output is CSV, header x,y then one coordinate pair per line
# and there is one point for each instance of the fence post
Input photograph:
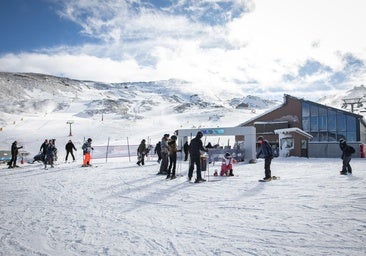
x,y
106,153
128,147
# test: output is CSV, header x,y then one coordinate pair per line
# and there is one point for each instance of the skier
x,y
43,149
347,152
164,155
195,157
14,155
227,165
267,152
157,151
186,150
69,149
141,152
87,148
172,148
50,154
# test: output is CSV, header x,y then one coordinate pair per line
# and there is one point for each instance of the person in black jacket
x,y
347,152
195,156
186,150
157,151
14,155
69,149
43,149
267,152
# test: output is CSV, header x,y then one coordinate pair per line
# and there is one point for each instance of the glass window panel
x,y
322,111
351,136
315,136
323,136
332,122
341,135
332,136
305,109
313,110
341,122
351,124
322,123
306,124
314,124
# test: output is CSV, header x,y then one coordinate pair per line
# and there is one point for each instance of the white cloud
x,y
268,40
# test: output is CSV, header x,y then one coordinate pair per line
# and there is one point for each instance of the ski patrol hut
x,y
246,134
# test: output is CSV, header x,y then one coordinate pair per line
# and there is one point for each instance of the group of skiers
x,y
167,149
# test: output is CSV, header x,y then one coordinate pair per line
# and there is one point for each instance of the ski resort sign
x,y
246,132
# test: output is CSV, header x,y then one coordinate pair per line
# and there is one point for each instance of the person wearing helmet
x,y
267,152
87,148
195,148
227,165
347,152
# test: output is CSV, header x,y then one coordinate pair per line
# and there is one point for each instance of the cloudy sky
x,y
299,47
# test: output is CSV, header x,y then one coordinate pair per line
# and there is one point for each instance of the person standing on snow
x,y
267,152
43,149
141,151
172,148
347,152
186,150
50,154
87,148
69,149
195,157
14,154
164,155
157,151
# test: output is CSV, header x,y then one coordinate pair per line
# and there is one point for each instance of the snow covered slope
x,y
122,209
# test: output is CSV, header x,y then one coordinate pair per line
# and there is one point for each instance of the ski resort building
x,y
304,128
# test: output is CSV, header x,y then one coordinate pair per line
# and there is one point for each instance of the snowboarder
x,y
195,157
227,165
172,148
157,151
69,149
186,150
14,154
87,148
347,152
267,152
141,152
164,155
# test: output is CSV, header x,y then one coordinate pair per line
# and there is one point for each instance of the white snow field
x,y
119,208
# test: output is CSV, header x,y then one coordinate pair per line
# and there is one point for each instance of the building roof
x,y
296,130
287,96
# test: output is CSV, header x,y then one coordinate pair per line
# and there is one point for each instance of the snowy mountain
x,y
337,100
131,108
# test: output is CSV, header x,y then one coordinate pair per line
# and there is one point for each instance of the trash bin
x,y
204,159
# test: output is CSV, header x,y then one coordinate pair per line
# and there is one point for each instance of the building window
x,y
326,124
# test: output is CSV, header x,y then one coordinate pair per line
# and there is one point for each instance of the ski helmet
x,y
227,155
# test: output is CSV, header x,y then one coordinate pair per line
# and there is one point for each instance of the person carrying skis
x,y
172,148
164,155
69,149
267,152
87,148
227,165
14,154
141,152
195,157
347,152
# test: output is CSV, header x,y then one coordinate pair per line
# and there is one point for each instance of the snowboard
x,y
272,178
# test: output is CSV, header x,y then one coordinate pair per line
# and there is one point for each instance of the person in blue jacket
x,y
267,152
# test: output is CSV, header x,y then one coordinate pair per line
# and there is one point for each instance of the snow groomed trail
x,y
122,209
